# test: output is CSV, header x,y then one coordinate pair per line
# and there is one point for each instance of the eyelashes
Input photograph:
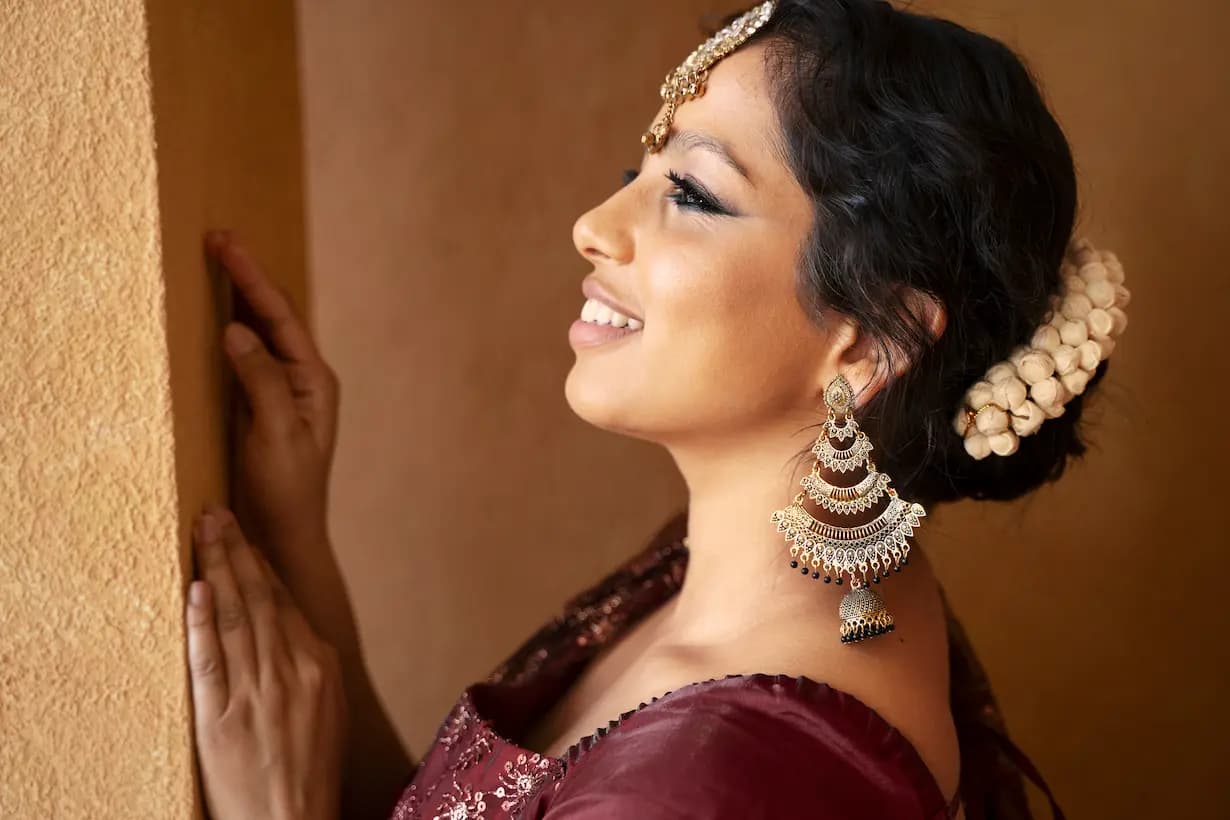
x,y
692,195
687,193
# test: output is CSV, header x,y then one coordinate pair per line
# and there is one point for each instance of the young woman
x,y
862,225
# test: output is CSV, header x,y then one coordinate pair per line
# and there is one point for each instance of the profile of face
x,y
703,246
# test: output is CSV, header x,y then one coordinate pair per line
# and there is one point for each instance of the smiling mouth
x,y
596,313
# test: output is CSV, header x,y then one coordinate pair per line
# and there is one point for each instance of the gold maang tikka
x,y
688,80
875,547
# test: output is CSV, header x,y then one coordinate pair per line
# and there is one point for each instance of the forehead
x,y
737,109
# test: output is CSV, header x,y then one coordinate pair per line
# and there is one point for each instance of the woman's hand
x,y
283,446
267,692
286,427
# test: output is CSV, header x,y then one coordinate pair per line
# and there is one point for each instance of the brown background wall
x,y
450,147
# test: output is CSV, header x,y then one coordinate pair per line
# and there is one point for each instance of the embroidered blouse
x,y
742,746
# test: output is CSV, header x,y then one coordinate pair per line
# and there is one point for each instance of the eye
x,y
629,175
690,194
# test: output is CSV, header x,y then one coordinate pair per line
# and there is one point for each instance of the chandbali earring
x,y
876,546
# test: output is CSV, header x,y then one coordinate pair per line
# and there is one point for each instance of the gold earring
x,y
875,546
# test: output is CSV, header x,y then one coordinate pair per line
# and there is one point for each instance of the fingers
x,y
284,339
206,665
230,613
290,336
281,633
255,591
263,379
295,628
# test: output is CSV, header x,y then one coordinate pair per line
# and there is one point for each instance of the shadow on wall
x,y
228,128
229,153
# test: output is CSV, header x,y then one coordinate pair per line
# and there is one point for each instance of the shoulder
x,y
746,746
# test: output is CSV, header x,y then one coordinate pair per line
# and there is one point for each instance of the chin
x,y
600,401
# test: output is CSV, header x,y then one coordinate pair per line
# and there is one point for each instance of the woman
x,y
865,219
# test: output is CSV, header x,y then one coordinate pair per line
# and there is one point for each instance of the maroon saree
x,y
738,747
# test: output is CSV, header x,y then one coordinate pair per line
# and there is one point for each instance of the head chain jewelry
x,y
688,80
1078,332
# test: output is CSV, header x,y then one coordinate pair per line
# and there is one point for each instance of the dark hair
x,y
934,164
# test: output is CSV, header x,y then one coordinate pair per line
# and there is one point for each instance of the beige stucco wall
x,y
449,152
92,702
124,133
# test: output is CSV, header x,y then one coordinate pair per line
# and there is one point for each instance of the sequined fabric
x,y
711,749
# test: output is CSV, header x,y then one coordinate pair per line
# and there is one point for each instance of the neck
x,y
738,574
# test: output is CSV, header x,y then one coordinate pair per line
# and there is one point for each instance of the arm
x,y
376,765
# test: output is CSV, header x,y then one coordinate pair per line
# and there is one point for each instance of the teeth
x,y
599,314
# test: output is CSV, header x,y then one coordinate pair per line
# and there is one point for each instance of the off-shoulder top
x,y
741,746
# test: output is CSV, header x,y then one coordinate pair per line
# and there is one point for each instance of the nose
x,y
604,233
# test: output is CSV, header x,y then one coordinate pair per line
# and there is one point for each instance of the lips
x,y
593,289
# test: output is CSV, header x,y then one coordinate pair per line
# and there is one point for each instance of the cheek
x,y
730,326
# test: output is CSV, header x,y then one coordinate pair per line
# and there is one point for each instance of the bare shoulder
x,y
903,677
909,690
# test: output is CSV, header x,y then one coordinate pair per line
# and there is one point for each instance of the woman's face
x,y
708,262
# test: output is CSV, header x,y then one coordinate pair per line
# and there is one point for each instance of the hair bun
x,y
1077,333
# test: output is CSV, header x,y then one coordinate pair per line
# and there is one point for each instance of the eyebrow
x,y
684,140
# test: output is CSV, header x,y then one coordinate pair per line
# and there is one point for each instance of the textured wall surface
x,y
124,137
449,153
92,701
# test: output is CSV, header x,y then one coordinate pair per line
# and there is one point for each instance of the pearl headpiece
x,y
1079,330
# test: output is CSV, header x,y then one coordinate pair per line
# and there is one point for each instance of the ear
x,y
861,359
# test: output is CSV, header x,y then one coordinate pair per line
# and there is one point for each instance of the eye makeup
x,y
687,193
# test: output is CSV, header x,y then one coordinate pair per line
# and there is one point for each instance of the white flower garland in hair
x,y
1079,330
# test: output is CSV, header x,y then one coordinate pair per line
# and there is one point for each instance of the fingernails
x,y
207,529
239,339
197,593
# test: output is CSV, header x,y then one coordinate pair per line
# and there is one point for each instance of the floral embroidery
x,y
458,724
464,726
461,803
521,778
472,752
